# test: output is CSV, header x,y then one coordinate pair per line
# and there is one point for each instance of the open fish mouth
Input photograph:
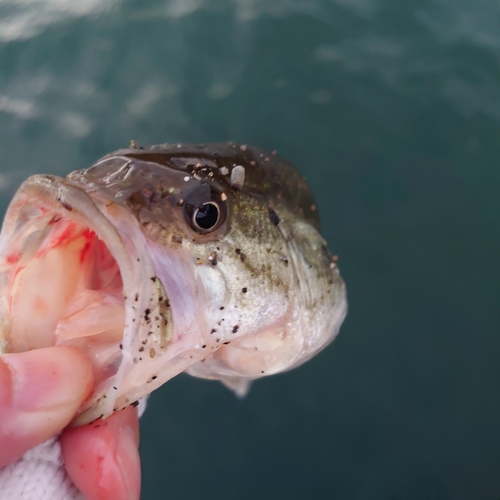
x,y
68,276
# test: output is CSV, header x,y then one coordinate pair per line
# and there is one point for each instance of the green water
x,y
391,108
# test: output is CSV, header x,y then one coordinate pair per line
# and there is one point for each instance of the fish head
x,y
205,259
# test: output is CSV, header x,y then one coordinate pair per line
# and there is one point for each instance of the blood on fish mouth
x,y
70,292
93,316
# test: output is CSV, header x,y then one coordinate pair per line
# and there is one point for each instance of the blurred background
x,y
391,109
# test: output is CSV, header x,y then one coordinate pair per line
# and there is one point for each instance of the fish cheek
x,y
215,286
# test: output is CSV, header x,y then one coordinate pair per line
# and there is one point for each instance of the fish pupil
x,y
206,216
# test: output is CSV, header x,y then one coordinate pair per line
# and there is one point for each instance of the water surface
x,y
392,111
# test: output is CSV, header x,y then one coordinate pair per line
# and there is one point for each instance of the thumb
x,y
40,393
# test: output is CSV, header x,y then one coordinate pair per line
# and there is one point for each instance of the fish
x,y
198,258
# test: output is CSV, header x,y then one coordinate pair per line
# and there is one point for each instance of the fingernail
x,y
128,459
47,378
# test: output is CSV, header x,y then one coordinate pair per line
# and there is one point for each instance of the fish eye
x,y
204,217
205,209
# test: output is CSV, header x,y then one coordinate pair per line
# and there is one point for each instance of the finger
x,y
40,393
102,458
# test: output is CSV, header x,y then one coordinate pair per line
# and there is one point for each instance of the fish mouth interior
x,y
67,289
75,270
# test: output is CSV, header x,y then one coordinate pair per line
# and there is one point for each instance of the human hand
x,y
40,393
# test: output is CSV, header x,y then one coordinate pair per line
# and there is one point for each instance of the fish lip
x,y
69,199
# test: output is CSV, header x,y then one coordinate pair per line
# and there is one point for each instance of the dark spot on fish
x,y
176,238
115,388
244,290
66,205
221,308
203,346
226,343
213,258
236,328
153,279
135,403
136,297
154,377
136,200
213,330
237,250
121,346
283,259
141,349
242,257
55,219
273,216
262,371
217,340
